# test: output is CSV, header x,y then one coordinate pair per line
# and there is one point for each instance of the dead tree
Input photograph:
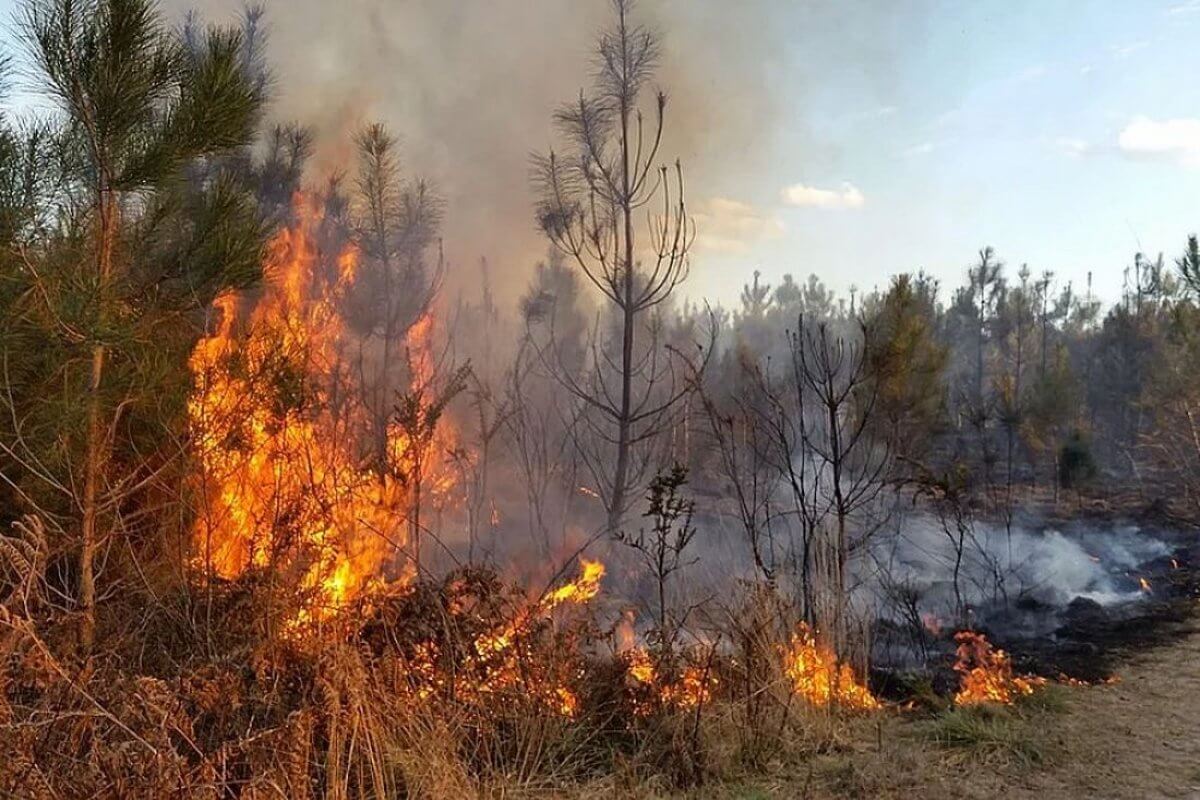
x,y
835,403
540,434
743,433
589,198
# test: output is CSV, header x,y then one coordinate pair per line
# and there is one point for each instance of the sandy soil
x,y
1139,738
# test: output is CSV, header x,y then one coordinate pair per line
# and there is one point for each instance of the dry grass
x,y
346,716
1139,738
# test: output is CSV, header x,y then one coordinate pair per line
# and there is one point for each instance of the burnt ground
x,y
1093,641
1137,738
1086,641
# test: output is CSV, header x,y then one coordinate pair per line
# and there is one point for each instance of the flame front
x,y
277,420
691,687
501,661
987,674
819,678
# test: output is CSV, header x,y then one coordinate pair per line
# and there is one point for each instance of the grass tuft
x,y
993,733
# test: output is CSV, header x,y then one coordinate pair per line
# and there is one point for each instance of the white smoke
x,y
1047,567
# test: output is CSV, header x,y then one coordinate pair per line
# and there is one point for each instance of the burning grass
x,y
820,679
986,673
459,687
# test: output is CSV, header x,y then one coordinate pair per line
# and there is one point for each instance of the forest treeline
x,y
261,471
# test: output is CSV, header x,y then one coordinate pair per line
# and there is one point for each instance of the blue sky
x,y
1057,132
848,138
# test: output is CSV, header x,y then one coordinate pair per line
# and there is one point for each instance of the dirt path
x,y
1139,738
1135,739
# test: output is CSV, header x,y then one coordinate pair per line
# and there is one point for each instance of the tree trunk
x,y
616,511
94,457
93,465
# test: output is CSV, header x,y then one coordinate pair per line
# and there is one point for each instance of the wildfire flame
x,y
987,674
279,435
582,590
499,664
692,686
1145,585
819,678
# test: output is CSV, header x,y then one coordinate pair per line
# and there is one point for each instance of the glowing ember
x,y
278,425
819,679
987,675
692,686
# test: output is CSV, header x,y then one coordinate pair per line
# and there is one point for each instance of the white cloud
x,y
1189,7
1175,140
919,149
811,197
1075,148
731,226
1126,50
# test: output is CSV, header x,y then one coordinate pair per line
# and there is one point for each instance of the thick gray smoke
x,y
470,87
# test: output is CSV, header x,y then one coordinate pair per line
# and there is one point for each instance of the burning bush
x,y
282,424
987,673
472,641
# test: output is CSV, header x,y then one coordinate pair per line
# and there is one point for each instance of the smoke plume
x,y
470,87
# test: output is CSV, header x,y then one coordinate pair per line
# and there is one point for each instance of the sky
x,y
1066,135
846,138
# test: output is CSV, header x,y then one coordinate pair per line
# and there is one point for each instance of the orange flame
x,y
987,675
278,432
692,686
582,590
499,664
819,678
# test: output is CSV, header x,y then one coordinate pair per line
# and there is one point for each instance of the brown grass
x,y
339,716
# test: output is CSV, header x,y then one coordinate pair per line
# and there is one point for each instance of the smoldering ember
x,y
590,398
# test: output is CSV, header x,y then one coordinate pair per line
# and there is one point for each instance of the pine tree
x,y
133,245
